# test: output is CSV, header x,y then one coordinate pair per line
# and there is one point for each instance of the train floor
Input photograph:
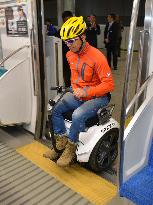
x,y
19,152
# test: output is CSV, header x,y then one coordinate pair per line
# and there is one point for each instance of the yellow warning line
x,y
89,185
127,121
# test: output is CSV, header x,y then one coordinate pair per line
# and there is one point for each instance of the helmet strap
x,y
82,44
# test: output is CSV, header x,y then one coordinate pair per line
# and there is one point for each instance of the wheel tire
x,y
105,151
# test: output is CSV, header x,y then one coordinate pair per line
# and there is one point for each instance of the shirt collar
x,y
85,49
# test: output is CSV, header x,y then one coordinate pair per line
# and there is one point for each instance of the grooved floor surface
x,y
23,183
92,187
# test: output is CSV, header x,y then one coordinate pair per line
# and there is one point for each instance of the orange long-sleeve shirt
x,y
91,72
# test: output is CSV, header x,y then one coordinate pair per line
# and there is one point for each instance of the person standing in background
x,y
50,28
93,29
111,36
121,29
66,68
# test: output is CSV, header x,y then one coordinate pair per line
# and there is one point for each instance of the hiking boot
x,y
68,155
61,142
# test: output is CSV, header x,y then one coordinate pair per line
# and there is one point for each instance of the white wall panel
x,y
23,89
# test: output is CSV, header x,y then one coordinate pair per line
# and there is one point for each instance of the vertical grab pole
x,y
126,87
145,40
139,67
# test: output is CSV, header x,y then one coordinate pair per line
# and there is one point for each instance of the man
x,y
121,29
66,68
50,29
111,34
91,81
93,29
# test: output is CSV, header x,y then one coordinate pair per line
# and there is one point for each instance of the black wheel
x,y
105,151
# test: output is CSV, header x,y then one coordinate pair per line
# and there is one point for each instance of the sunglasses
x,y
71,41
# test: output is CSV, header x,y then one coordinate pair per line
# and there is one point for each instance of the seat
x,y
102,117
89,123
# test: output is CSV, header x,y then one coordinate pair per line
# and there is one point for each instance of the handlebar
x,y
60,89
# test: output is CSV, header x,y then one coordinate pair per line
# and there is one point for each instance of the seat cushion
x,y
89,123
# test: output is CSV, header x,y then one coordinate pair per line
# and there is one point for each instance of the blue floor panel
x,y
139,188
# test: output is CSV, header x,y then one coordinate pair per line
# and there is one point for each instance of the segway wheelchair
x,y
98,144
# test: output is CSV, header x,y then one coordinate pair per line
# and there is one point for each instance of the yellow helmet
x,y
73,27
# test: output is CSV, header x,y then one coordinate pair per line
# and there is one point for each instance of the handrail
x,y
126,88
136,96
139,66
14,52
12,68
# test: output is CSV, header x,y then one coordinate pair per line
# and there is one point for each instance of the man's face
x,y
92,19
109,18
20,12
74,44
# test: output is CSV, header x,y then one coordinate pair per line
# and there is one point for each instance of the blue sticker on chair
x,y
2,71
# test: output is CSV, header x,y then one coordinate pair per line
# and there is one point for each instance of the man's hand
x,y
93,25
79,93
106,40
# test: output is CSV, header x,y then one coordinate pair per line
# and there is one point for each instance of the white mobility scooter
x,y
98,144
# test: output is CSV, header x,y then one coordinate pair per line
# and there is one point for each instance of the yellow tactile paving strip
x,y
89,185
